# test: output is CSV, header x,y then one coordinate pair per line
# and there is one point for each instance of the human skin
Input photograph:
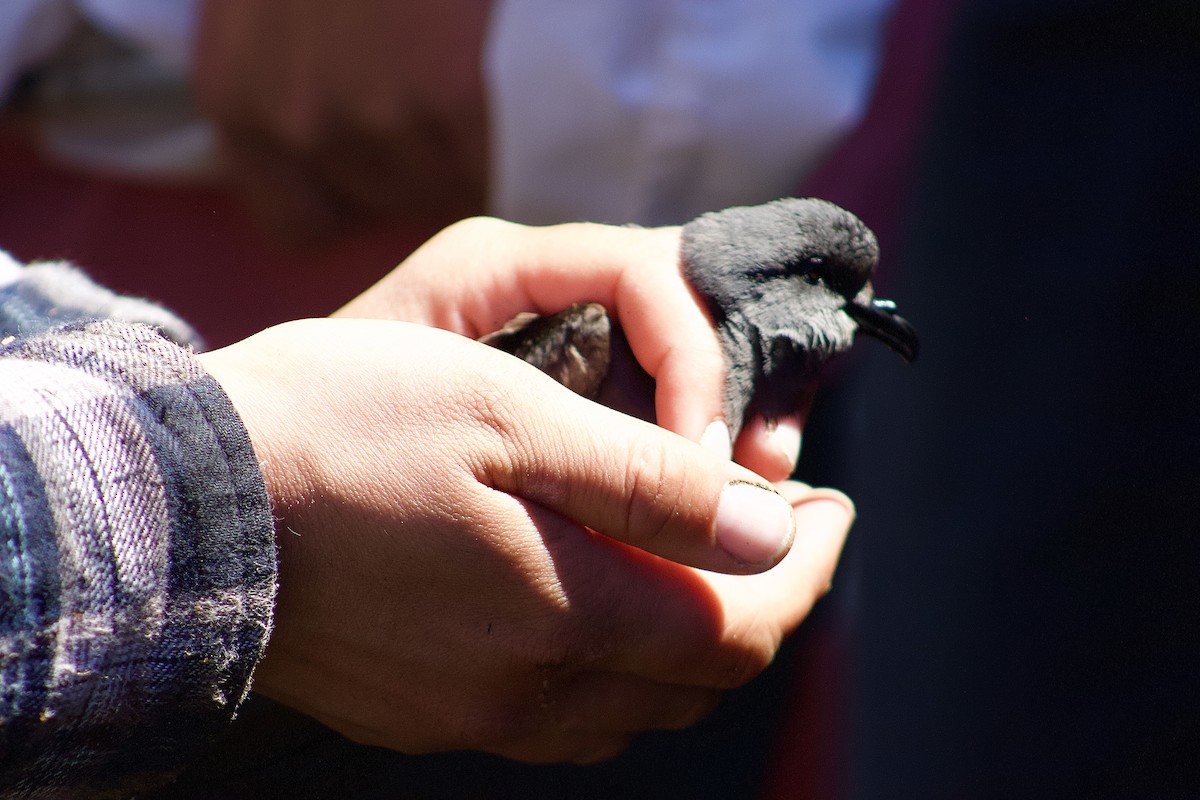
x,y
478,273
473,557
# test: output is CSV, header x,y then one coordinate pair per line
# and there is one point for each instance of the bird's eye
x,y
814,270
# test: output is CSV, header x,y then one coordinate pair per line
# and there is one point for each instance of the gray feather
x,y
788,287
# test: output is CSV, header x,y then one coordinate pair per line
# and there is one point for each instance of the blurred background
x,y
1016,614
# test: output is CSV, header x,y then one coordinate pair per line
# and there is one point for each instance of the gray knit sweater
x,y
137,561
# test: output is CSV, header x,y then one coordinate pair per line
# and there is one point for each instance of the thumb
x,y
643,485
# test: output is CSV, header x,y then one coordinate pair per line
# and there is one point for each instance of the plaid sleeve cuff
x,y
137,561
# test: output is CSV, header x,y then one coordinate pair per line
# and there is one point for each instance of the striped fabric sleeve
x,y
51,294
137,562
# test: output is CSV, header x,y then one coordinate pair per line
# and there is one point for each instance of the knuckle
x,y
490,411
577,638
652,505
479,226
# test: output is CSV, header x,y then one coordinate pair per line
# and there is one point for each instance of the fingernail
x,y
754,523
786,436
823,514
716,439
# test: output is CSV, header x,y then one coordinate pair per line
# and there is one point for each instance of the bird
x,y
788,286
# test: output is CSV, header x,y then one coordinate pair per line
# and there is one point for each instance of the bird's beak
x,y
878,318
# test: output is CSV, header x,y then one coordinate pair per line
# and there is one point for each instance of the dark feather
x,y
788,286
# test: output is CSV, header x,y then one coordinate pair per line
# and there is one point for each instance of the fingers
x,y
638,276
479,273
632,481
457,517
720,631
639,615
823,520
771,448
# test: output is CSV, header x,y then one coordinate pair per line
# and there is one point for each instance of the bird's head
x,y
795,266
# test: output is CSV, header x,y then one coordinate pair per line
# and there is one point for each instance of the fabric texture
x,y
643,111
653,112
137,563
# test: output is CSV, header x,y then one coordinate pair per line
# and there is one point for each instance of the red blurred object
x,y
192,248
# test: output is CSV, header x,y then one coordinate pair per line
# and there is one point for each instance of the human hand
x,y
442,582
333,113
477,274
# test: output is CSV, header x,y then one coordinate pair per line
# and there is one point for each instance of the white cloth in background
x,y
647,111
165,28
117,108
31,31
653,111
